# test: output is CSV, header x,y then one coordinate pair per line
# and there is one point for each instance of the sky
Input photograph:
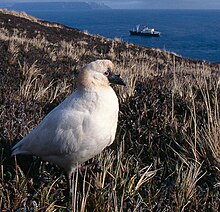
x,y
148,4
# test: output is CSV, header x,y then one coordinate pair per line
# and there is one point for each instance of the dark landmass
x,y
53,6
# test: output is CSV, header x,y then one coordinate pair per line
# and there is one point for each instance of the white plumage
x,y
82,125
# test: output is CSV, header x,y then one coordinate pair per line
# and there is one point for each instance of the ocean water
x,y
189,33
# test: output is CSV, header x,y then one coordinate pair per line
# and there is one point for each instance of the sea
x,y
189,33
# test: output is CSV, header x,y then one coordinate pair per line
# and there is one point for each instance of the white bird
x,y
82,125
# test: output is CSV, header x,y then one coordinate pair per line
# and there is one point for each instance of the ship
x,y
144,31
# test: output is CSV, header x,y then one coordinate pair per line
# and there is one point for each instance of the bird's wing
x,y
60,132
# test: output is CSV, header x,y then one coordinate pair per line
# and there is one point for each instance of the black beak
x,y
115,79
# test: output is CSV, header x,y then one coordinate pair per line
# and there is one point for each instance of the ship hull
x,y
144,34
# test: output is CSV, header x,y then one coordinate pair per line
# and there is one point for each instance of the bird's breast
x,y
99,124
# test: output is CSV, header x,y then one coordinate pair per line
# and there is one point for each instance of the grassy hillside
x,y
166,156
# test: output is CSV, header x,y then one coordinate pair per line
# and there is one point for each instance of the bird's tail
x,y
17,149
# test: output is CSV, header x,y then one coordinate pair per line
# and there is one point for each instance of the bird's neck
x,y
86,81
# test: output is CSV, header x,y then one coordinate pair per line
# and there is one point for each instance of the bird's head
x,y
99,73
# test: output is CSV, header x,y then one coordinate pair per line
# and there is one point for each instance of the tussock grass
x,y
166,153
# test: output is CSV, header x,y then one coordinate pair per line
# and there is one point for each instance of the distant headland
x,y
49,6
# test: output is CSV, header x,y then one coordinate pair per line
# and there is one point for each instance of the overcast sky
x,y
148,4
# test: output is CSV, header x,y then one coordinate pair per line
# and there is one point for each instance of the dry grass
x,y
29,17
166,153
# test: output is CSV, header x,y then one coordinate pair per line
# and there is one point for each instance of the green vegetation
x,y
166,156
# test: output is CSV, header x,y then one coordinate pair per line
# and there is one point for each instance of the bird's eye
x,y
107,73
